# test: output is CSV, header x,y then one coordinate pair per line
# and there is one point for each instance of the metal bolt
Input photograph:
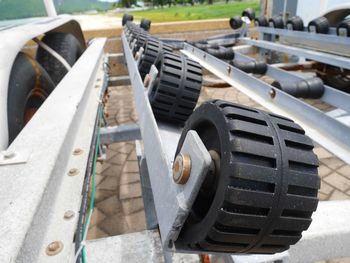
x,y
73,172
228,69
8,154
272,93
54,248
182,168
204,56
68,214
77,151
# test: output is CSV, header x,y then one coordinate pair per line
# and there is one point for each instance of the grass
x,y
197,12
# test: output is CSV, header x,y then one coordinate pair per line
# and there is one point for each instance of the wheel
x,y
29,86
261,21
126,18
261,189
276,22
145,24
176,90
295,23
64,44
344,28
236,22
319,25
152,49
140,41
250,13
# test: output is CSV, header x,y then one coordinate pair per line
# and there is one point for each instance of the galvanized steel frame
x,y
40,198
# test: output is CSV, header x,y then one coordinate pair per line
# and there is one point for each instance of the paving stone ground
x,y
119,204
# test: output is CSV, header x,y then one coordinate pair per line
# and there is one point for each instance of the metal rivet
x,y
8,154
204,56
54,248
228,69
68,214
77,151
181,168
73,172
272,93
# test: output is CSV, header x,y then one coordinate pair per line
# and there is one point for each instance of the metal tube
x,y
50,8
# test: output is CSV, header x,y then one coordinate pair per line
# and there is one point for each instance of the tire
x,y
262,188
176,90
145,24
126,18
276,22
29,86
250,13
344,25
64,44
236,22
295,23
261,21
321,25
152,49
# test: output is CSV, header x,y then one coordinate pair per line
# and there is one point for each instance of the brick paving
x,y
119,204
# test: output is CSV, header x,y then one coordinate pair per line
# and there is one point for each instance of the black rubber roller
x,y
152,49
145,24
255,67
222,53
141,41
261,21
126,18
276,22
250,13
344,26
261,189
175,92
295,23
312,88
320,25
236,22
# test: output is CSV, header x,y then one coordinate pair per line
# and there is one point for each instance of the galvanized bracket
x,y
187,193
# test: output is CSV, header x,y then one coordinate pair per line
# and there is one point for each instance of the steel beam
x,y
172,201
328,43
330,59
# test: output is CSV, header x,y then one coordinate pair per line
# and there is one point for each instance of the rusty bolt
x,y
77,151
181,168
68,214
73,172
272,93
54,248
